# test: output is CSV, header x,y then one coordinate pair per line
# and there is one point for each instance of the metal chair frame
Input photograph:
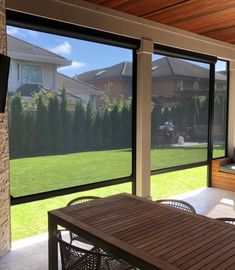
x,y
179,204
82,200
78,200
83,259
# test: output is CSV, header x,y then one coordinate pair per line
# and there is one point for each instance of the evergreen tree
x,y
129,127
165,116
16,126
124,126
29,133
106,130
79,126
155,123
116,127
66,121
88,126
41,126
97,131
55,126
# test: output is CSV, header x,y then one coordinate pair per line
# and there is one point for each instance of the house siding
x,y
115,88
4,157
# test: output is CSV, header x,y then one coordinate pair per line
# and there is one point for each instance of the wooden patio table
x,y
147,234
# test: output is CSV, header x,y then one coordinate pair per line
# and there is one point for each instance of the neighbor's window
x,y
74,127
195,86
179,85
31,73
220,110
18,71
179,118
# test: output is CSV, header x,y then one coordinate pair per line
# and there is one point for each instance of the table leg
x,y
52,244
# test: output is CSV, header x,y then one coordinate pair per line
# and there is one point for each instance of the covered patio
x,y
32,253
182,70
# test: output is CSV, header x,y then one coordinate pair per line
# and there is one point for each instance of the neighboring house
x,y
115,80
34,69
171,77
87,93
31,64
175,83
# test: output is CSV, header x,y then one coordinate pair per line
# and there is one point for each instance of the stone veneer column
x,y
5,235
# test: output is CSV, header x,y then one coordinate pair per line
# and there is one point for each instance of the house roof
x,y
173,66
123,69
76,87
28,90
164,67
20,49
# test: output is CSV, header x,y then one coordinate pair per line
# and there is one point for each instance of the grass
x,y
45,173
164,158
31,218
40,174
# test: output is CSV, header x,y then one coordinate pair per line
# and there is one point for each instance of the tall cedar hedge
x,y
51,128
54,129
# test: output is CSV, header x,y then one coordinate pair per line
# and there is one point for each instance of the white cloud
x,y
74,65
22,33
31,33
64,48
13,31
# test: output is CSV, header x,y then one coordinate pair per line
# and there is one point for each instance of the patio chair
x,y
182,205
82,200
227,220
78,200
76,258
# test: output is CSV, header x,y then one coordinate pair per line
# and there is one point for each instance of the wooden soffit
x,y
210,18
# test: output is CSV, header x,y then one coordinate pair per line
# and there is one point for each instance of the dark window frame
x,y
227,109
50,26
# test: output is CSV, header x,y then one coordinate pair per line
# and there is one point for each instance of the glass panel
x,y
170,185
31,74
220,110
29,219
180,91
75,128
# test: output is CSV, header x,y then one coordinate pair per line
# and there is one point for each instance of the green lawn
x,y
169,157
31,218
40,174
31,175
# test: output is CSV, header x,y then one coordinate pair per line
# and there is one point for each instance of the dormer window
x,y
31,73
154,68
100,72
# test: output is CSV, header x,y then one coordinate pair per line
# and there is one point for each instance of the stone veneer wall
x,y
5,238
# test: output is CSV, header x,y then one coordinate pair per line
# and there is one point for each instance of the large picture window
x,y
31,73
70,123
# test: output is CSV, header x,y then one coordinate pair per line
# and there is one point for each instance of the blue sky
x,y
84,55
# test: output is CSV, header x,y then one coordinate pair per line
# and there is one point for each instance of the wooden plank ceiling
x,y
211,18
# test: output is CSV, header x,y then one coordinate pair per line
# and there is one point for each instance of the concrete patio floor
x,y
31,253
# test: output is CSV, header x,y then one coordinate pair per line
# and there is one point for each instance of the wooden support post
x,y
143,123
